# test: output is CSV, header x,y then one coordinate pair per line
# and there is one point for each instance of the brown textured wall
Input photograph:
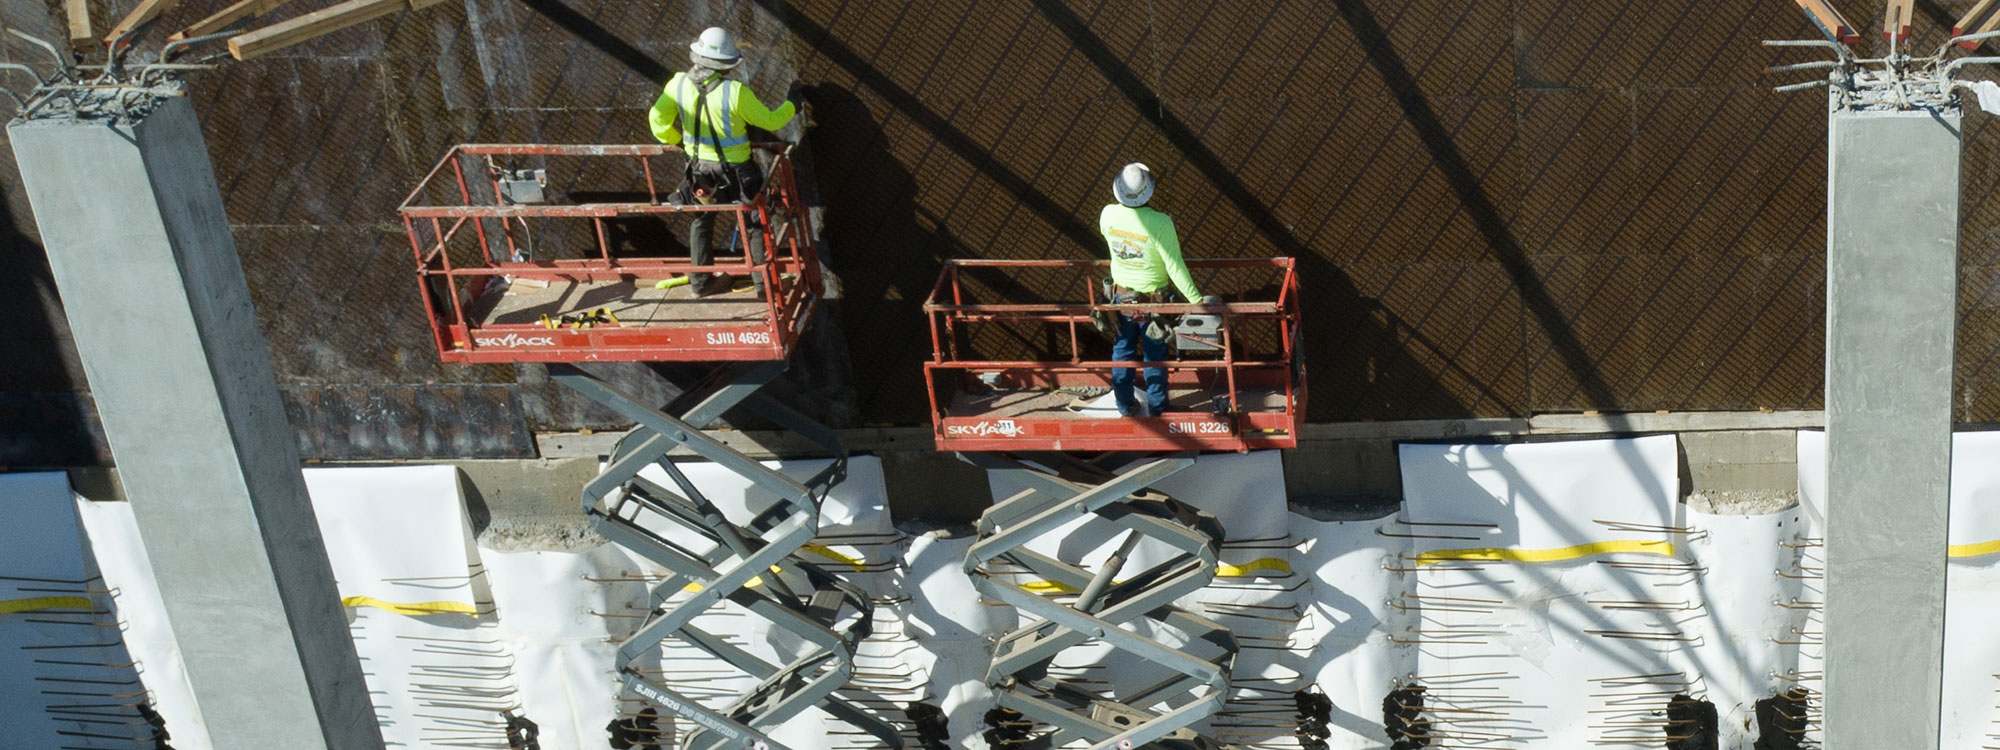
x,y
1501,207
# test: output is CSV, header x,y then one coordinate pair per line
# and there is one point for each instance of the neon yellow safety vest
x,y
1145,250
731,109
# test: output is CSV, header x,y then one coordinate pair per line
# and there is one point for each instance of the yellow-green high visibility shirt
x,y
1145,250
731,106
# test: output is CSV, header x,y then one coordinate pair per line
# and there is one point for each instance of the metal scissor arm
x,y
1106,600
753,564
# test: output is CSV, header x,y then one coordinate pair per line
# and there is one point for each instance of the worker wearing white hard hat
x,y
1146,267
709,115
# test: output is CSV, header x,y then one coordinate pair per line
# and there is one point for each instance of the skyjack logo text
x,y
514,339
985,428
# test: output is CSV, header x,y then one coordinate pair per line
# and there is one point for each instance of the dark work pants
x,y
749,180
1132,341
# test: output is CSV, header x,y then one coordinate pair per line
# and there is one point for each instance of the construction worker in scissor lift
x,y
709,115
1145,257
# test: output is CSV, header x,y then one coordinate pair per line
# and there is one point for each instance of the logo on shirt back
x,y
1128,246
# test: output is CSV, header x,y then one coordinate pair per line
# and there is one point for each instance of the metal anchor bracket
x,y
754,565
1106,599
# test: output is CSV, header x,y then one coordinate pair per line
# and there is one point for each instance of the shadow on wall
x,y
871,218
872,213
44,421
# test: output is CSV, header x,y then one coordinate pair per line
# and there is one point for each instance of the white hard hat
x,y
1133,186
715,48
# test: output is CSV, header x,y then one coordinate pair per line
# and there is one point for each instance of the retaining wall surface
x,y
1501,208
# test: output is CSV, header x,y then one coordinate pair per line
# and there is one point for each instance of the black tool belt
x,y
1133,296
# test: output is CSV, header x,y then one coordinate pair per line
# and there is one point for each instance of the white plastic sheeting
x,y
1560,606
398,537
562,651
65,680
114,538
1521,631
1342,641
401,549
400,545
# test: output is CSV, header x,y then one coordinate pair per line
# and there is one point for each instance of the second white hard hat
x,y
716,48
1133,186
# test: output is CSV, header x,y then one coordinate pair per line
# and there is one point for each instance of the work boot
x,y
712,285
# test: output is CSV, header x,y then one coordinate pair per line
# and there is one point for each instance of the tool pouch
x,y
702,186
1106,321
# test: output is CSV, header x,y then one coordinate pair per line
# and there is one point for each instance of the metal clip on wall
x,y
1105,601
754,565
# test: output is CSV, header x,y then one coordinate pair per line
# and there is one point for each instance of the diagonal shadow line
x,y
822,41
597,36
1452,165
1177,132
1430,129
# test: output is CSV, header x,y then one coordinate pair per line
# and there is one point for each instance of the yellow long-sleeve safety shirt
x,y
1145,250
731,106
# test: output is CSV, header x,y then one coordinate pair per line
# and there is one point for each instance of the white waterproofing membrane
x,y
113,535
1546,595
401,549
400,546
1970,716
1524,629
65,679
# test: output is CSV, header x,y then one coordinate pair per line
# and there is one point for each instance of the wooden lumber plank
x,y
1896,19
221,19
284,34
1829,21
1992,23
1971,18
79,24
146,11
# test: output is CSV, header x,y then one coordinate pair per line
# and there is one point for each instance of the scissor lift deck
x,y
499,276
1248,394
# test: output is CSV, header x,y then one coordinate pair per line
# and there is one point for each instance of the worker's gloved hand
x,y
1211,299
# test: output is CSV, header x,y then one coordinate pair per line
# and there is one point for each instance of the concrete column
x,y
1892,251
136,234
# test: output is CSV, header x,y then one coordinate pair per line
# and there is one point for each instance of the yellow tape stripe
x,y
822,551
1049,587
1639,546
1246,570
1973,550
414,608
754,582
39,603
1222,570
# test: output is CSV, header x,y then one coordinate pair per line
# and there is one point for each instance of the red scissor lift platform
x,y
499,277
1245,391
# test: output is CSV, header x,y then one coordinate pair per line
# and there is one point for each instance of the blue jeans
x,y
1131,342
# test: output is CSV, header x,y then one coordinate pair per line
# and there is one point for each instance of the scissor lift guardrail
x,y
991,390
470,236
